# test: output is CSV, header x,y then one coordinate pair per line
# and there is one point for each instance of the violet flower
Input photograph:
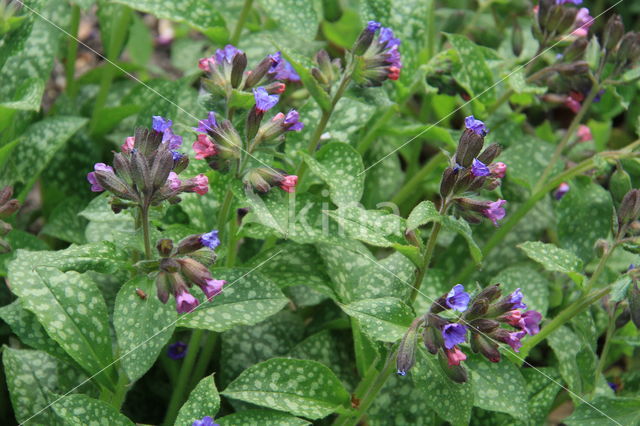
x,y
515,299
495,211
530,322
514,340
205,421
212,287
478,168
457,299
91,177
227,54
282,69
264,101
292,122
477,126
453,334
561,191
185,302
373,26
207,124
210,239
174,181
177,350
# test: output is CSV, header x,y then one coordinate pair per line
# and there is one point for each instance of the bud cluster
x,y
183,266
628,214
8,206
482,317
146,172
555,18
622,50
376,55
327,71
471,170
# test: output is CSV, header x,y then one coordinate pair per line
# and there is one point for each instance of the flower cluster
x,y
146,172
183,266
472,170
377,57
482,317
554,18
8,206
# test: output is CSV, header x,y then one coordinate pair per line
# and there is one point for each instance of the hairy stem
x,y
144,218
426,260
611,328
121,391
246,8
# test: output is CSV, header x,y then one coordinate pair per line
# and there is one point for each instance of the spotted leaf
x,y
261,417
554,259
385,319
80,410
203,401
299,18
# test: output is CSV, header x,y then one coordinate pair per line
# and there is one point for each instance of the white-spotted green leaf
x,y
534,285
143,326
604,411
542,391
618,291
37,147
203,401
296,17
461,227
527,159
27,97
260,418
30,374
72,310
300,387
471,70
498,387
554,259
81,410
248,298
422,214
386,319
376,10
584,215
19,239
567,346
64,222
375,227
341,167
451,401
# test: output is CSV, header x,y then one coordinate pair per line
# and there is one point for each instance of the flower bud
x,y
478,308
517,39
575,51
554,17
5,228
190,244
486,347
168,264
140,172
180,164
432,339
4,246
619,184
469,147
629,207
544,11
164,247
253,123
457,373
449,177
5,194
573,69
483,325
627,47
490,293
162,165
407,349
319,76
122,167
254,76
254,179
364,40
9,208
162,287
109,181
327,68
634,304
623,318
238,66
613,32
567,20
194,271
601,247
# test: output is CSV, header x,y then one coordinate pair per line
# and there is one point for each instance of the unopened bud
x,y
9,208
364,41
5,194
190,244
162,287
122,167
517,39
619,184
258,72
5,247
544,11
319,76
448,181
326,66
170,265
486,347
629,207
431,339
5,228
164,247
575,51
554,17
254,118
469,147
634,304
181,164
457,373
237,68
483,325
573,69
626,48
407,349
623,318
477,309
613,32
113,184
491,293
195,271
162,166
601,247
139,172
567,20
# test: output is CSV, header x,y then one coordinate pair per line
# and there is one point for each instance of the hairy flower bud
x,y
5,228
469,147
109,181
449,177
5,194
162,287
162,165
576,50
364,40
407,349
164,247
634,304
490,293
9,208
432,339
190,244
168,264
122,167
319,76
517,38
629,207
5,247
195,271
258,72
483,325
140,172
457,373
478,308
485,347
619,184
238,65
180,164
613,31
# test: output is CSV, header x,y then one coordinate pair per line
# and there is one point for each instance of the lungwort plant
x,y
319,212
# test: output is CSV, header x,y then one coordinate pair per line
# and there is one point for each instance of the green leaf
x,y
72,310
376,10
248,298
422,214
554,259
471,71
498,387
203,401
451,401
341,167
584,215
19,239
64,222
625,411
344,31
566,347
37,147
542,387
80,410
143,326
302,67
534,285
527,159
297,18
27,96
620,288
460,226
260,418
375,227
300,387
386,319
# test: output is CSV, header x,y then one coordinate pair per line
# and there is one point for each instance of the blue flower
x,y
174,141
453,334
160,124
210,239
205,421
177,350
207,124
264,101
227,54
176,155
282,69
478,168
515,299
373,26
457,298
387,38
476,125
569,1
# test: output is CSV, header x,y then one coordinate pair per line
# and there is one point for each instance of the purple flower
x,y
177,350
599,95
174,141
513,340
91,177
478,168
563,188
185,302
207,124
174,181
282,69
476,125
227,54
176,155
264,101
373,26
212,287
495,211
210,239
453,334
568,1
205,421
515,299
160,124
387,38
530,322
292,121
457,298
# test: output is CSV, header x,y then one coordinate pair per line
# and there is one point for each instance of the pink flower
x,y
289,183
498,169
204,147
582,23
127,146
584,133
512,317
495,211
530,322
203,63
202,184
173,181
212,287
185,302
573,101
91,177
563,188
455,356
513,340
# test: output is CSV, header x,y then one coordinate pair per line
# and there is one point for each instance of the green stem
x,y
204,360
72,51
223,215
144,218
235,38
431,29
410,187
369,137
605,349
121,391
426,260
178,395
563,317
599,269
117,38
